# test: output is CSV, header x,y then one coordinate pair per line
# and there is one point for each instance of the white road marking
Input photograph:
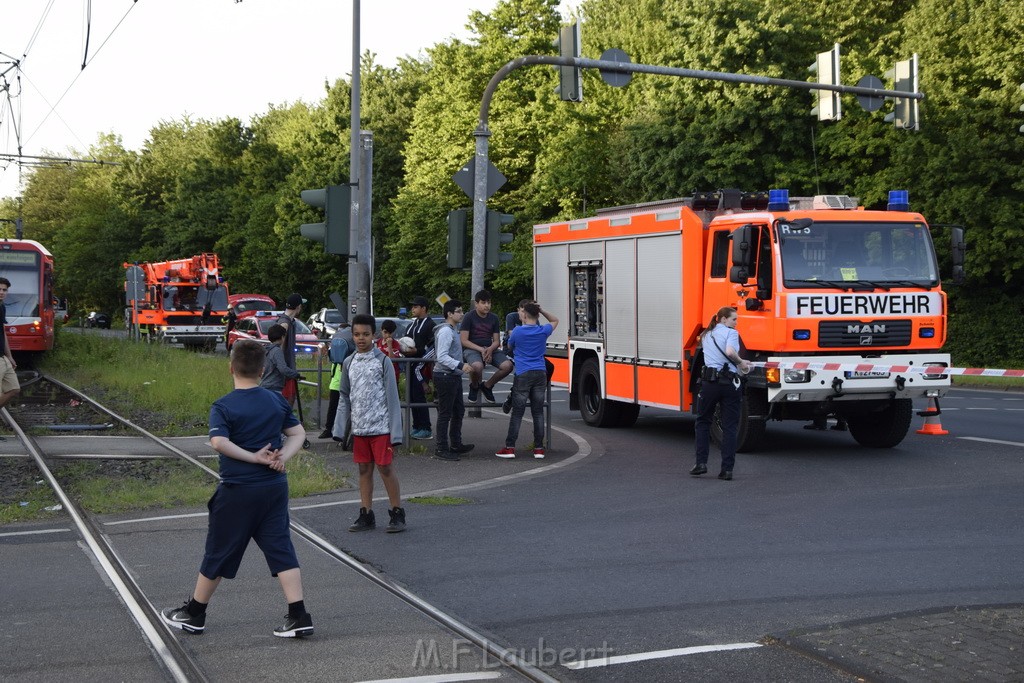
x,y
1001,443
32,533
443,678
658,654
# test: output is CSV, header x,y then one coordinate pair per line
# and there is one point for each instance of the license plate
x,y
875,374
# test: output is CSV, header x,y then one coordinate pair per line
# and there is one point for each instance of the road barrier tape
x,y
872,367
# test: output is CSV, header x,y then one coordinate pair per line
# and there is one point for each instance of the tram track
x,y
171,655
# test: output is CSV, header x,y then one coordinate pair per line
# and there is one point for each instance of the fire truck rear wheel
x,y
885,428
595,410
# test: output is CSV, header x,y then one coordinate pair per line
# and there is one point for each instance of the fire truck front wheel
x,y
752,427
596,410
883,428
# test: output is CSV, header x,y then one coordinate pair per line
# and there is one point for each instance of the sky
x,y
159,60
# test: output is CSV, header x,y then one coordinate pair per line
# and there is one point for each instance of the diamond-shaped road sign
x,y
465,178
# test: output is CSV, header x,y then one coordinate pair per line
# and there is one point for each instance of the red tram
x,y
30,301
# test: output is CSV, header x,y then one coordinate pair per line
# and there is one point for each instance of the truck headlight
x,y
933,374
798,376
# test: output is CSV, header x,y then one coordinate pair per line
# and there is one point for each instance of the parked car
x,y
98,320
255,327
324,323
248,304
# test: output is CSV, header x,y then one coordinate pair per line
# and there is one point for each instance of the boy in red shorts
x,y
368,399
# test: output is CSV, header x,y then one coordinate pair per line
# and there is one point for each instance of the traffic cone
x,y
932,425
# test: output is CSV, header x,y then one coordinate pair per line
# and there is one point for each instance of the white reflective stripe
x,y
658,654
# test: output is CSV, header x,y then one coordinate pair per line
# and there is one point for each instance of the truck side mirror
x,y
739,275
958,250
743,248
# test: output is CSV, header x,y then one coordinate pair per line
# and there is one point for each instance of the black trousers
x,y
730,397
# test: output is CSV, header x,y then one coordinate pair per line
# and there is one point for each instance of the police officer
x,y
720,384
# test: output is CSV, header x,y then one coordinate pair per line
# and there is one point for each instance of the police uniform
x,y
720,385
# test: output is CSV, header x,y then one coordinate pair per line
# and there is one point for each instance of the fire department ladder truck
x,y
186,302
818,282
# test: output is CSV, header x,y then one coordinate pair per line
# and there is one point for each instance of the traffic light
x,y
494,256
827,106
336,201
570,79
904,75
457,238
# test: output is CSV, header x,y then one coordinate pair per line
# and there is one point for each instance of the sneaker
x,y
506,452
445,454
462,448
181,618
326,434
295,627
506,407
421,434
488,393
397,522
474,393
365,521
306,444
538,453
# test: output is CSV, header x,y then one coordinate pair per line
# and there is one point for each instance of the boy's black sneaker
x,y
181,618
474,393
506,407
462,448
326,434
295,627
365,521
397,522
488,393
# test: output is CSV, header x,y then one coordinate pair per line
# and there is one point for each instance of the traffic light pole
x,y
358,269
482,132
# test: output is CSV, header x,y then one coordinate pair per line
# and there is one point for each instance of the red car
x,y
255,327
248,304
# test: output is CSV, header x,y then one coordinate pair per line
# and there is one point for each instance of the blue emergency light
x,y
778,200
899,200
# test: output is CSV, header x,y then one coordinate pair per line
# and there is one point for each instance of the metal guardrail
x,y
406,363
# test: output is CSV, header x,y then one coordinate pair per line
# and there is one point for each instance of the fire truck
x,y
823,289
185,302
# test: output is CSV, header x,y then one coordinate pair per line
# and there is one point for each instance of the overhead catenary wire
x,y
85,64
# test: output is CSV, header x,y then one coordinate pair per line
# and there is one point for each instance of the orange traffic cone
x,y
932,425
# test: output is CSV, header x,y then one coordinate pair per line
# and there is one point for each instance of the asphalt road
x,y
626,551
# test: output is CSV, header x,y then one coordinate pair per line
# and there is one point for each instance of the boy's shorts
x,y
239,513
375,449
8,376
473,356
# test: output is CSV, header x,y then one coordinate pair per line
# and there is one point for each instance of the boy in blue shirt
x,y
251,501
528,342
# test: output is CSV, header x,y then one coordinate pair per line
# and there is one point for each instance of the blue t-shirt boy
x,y
250,418
528,343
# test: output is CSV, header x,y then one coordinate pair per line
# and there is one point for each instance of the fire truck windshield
x,y
194,298
875,254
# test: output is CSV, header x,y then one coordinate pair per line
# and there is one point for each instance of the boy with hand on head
x,y
251,501
368,399
529,341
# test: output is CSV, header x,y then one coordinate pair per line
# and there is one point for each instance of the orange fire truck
x,y
815,280
185,301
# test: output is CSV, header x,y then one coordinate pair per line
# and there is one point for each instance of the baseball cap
x,y
419,301
294,301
